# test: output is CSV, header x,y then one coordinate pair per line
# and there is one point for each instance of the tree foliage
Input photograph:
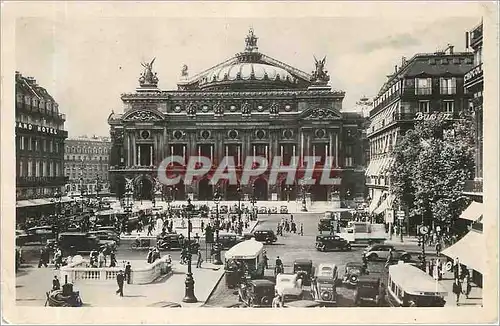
x,y
432,163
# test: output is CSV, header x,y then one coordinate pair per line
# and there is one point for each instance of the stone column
x,y
134,149
337,149
330,145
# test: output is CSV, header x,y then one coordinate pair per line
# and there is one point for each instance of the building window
x,y
51,146
21,142
348,161
21,172
44,142
57,147
448,106
423,86
448,86
423,106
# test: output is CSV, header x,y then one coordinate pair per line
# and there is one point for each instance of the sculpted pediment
x,y
320,114
143,115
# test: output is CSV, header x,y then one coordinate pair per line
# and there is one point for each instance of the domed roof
x,y
248,71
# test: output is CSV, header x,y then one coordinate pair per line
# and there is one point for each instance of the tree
x,y
432,163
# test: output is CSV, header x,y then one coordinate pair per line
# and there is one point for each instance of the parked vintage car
x,y
266,236
289,287
324,284
353,270
227,240
367,288
256,293
262,210
325,242
304,269
381,252
283,209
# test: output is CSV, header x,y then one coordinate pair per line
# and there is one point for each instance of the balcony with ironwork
x,y
474,76
135,168
40,181
474,187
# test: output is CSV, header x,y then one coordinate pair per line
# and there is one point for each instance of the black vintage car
x,y
256,293
77,242
304,269
325,242
170,241
227,240
353,270
367,289
266,236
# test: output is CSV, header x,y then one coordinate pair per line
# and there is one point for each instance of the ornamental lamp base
x,y
189,296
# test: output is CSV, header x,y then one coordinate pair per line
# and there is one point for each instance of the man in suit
x,y
128,272
120,278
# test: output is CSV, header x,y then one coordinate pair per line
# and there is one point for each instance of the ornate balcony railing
x,y
41,181
132,168
474,186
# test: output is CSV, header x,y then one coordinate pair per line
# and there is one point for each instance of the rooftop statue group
x,y
148,78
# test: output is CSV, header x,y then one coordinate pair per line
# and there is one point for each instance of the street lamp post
x,y
304,205
97,190
368,199
81,190
189,296
217,249
57,197
253,201
288,190
240,228
140,190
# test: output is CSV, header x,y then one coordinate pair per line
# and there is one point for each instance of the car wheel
x,y
265,301
406,258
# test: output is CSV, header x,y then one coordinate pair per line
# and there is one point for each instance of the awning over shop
x,y
386,204
470,250
473,212
32,202
375,200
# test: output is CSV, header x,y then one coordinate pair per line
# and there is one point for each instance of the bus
x,y
409,286
251,254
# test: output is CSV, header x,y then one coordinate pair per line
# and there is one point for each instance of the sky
x,y
86,63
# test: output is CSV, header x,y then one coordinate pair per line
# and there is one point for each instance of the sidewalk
x,y
475,296
293,206
32,285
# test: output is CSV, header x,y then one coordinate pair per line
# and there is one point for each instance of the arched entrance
x,y
260,189
232,192
288,192
180,191
145,189
319,193
205,190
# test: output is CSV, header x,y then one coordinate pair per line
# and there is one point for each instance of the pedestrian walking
x,y
120,278
438,248
457,289
44,258
56,285
266,259
149,258
100,259
456,269
301,228
389,258
112,259
128,272
200,259
276,301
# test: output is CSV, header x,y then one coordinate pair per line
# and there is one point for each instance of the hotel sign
x,y
36,128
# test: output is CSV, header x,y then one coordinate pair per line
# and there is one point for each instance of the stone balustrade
x,y
81,271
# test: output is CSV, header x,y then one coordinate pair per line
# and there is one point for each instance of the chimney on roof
x,y
396,69
403,61
450,49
